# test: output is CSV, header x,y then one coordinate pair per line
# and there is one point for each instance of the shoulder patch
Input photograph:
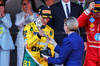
x,y
31,29
35,33
24,35
51,33
25,31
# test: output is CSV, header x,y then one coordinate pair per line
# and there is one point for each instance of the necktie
x,y
81,4
67,10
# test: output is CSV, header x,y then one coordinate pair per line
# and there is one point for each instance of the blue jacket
x,y
6,41
71,51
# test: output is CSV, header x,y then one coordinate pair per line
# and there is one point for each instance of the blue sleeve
x,y
57,48
7,20
65,50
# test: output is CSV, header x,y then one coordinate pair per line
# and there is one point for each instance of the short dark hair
x,y
22,1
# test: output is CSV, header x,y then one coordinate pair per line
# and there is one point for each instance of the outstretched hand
x,y
29,10
52,41
45,57
91,6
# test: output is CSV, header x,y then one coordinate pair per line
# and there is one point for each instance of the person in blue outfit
x,y
72,48
6,42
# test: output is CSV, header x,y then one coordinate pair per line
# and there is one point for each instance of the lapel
x,y
77,2
72,9
61,10
87,4
84,7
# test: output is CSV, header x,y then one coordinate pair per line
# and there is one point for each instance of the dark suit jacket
x,y
85,5
71,51
58,16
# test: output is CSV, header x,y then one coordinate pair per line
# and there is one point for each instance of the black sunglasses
x,y
24,4
1,4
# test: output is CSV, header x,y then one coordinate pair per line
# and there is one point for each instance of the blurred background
x,y
13,7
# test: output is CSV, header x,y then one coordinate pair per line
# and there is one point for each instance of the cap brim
x,y
96,11
45,16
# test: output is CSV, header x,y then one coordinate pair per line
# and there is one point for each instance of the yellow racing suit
x,y
35,44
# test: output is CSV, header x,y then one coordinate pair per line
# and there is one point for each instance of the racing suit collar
x,y
42,27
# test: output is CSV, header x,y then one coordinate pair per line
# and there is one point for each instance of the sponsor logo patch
x,y
50,33
35,33
92,19
46,12
91,25
97,36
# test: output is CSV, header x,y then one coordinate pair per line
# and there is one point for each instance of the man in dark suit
x,y
83,3
59,12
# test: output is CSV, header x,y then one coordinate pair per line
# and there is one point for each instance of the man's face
x,y
81,0
97,15
1,4
43,20
25,5
66,1
1,7
49,2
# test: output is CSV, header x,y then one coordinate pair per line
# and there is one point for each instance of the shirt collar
x,y
65,3
81,2
42,27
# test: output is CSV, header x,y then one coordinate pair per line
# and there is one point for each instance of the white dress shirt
x,y
64,7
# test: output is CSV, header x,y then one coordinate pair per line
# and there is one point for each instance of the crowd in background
x,y
55,21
